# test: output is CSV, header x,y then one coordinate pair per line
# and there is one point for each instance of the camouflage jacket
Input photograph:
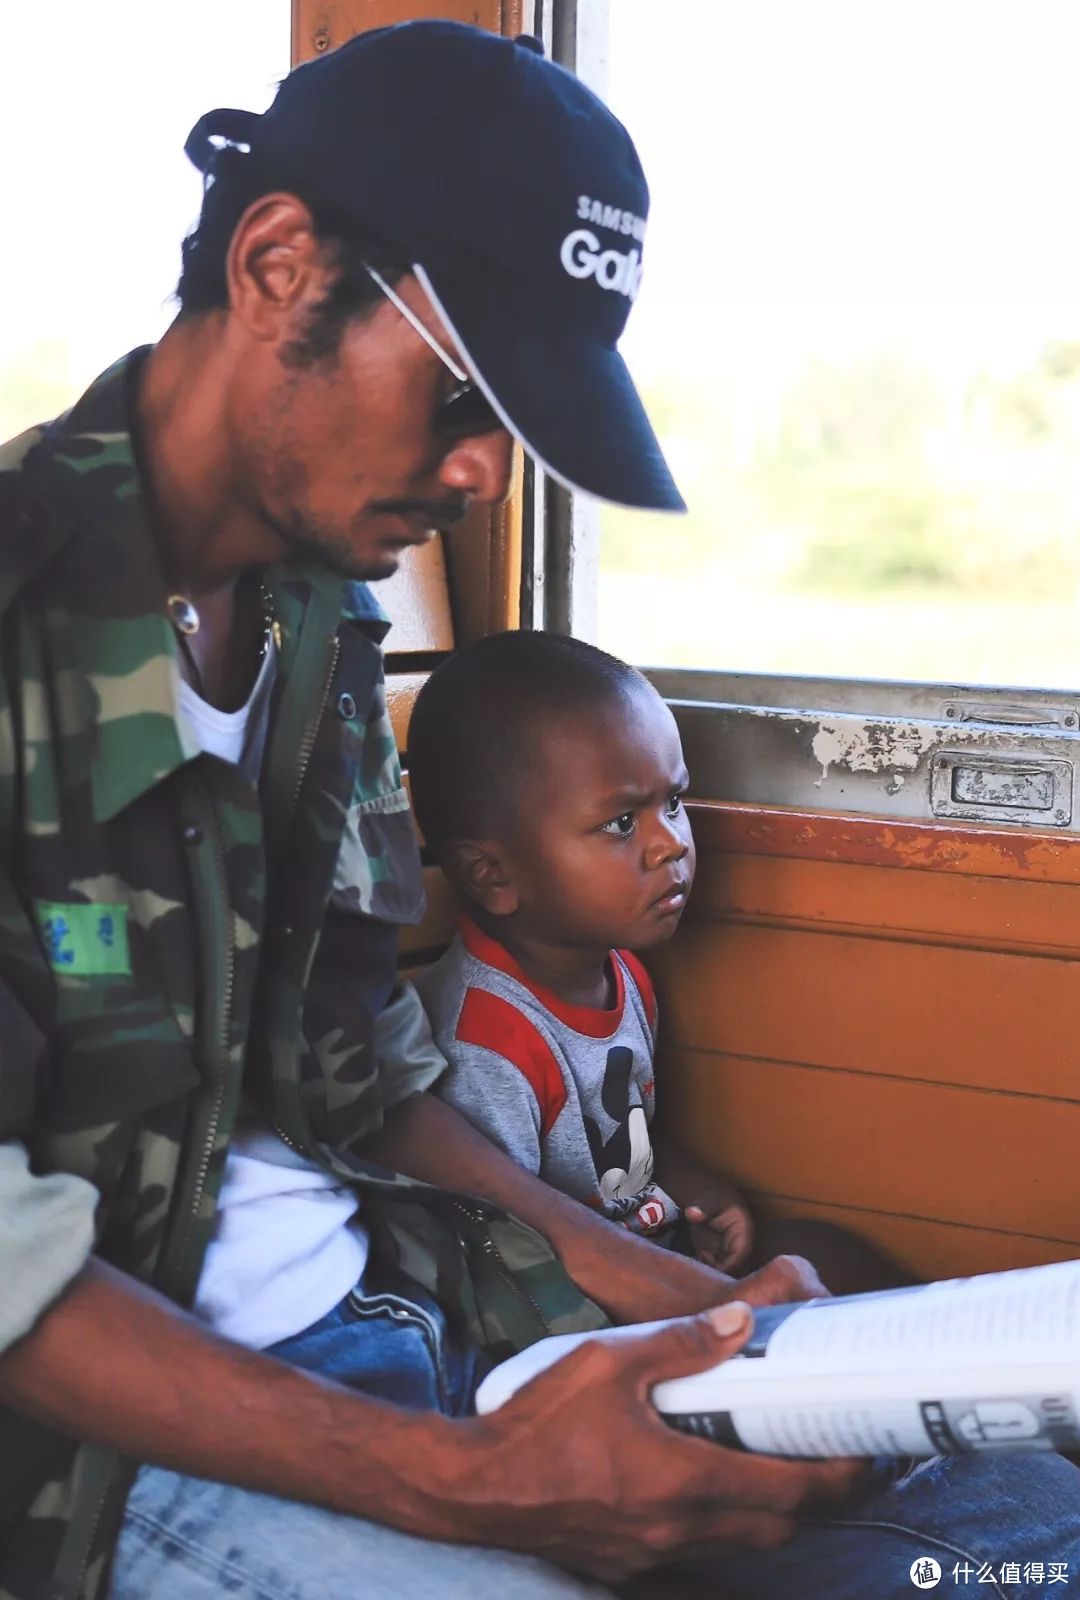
x,y
168,936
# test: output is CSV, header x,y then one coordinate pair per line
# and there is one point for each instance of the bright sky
x,y
837,174
830,174
97,188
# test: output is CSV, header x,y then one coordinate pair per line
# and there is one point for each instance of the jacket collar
x,y
117,639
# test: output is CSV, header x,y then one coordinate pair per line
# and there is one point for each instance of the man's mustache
x,y
438,513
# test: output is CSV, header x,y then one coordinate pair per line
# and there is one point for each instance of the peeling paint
x,y
876,763
871,746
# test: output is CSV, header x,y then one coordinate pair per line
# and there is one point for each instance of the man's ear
x,y
275,264
479,868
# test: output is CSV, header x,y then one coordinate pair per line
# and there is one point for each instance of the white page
x,y
969,1321
973,1363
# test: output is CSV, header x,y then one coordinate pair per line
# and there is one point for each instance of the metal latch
x,y
991,712
1001,788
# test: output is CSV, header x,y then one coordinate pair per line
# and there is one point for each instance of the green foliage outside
x,y
875,479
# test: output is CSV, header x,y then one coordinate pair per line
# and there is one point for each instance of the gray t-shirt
x,y
567,1091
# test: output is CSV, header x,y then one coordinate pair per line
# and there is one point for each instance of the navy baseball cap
x,y
520,203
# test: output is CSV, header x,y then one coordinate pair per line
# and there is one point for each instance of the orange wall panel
x,y
997,913
320,25
1004,1162
402,689
439,921
879,1024
872,1005
874,841
934,1249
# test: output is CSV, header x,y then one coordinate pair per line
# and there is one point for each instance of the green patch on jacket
x,y
85,941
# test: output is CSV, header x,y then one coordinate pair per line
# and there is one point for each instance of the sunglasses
x,y
466,410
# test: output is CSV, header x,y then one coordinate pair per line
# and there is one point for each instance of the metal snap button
x,y
346,707
191,833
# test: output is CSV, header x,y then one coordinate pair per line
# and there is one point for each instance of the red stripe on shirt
x,y
594,1024
494,1024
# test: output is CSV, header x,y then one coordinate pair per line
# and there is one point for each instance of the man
x,y
431,241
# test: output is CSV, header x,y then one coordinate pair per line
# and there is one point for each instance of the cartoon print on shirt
x,y
624,1160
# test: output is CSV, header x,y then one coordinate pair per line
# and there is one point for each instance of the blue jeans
x,y
187,1539
391,1343
977,1516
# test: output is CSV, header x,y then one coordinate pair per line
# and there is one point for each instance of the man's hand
x,y
579,1468
778,1282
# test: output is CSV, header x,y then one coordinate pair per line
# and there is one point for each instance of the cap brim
x,y
571,402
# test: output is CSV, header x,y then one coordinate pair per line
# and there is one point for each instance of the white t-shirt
x,y
287,1244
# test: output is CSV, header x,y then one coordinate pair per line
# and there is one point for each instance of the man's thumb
x,y
730,1319
698,1339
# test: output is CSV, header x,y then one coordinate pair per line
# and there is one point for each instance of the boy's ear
x,y
480,870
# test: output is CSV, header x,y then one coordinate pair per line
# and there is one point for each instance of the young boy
x,y
548,781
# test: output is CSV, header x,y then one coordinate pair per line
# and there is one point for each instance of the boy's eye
x,y
674,805
622,827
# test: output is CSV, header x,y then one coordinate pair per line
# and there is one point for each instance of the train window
x,y
859,334
97,190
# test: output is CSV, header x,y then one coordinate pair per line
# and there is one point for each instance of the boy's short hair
x,y
475,718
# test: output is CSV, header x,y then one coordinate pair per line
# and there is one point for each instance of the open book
x,y
987,1363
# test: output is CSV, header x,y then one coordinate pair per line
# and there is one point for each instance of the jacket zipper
x,y
171,1277
491,1250
65,1592
307,743
220,1056
222,1040
287,1138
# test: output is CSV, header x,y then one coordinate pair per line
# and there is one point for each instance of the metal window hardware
x,y
1011,715
1001,788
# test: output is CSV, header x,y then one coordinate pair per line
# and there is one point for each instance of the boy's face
x,y
602,855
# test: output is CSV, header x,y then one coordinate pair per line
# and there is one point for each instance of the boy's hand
x,y
721,1228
